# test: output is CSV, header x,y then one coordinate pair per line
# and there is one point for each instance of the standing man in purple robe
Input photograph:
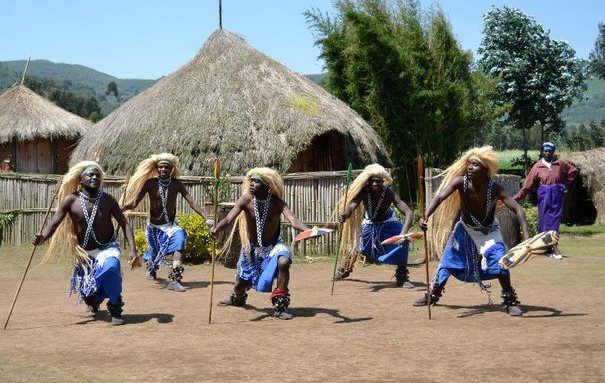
x,y
550,176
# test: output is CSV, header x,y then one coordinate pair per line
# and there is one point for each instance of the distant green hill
x,y
7,77
591,108
84,81
317,78
80,80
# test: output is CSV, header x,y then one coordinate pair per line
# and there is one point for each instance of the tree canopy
x,y
402,70
85,107
537,76
597,56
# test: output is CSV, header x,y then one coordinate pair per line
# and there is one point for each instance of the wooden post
x,y
216,174
426,242
25,70
220,14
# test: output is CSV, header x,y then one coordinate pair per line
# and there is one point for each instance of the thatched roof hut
x,y
35,134
591,164
237,103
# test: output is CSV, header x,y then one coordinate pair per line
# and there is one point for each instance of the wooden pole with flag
x,y
216,174
31,256
344,206
421,202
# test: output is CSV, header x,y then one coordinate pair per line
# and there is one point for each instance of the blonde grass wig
x,y
148,169
442,220
276,188
351,227
64,242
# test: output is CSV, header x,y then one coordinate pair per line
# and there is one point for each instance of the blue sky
x,y
152,38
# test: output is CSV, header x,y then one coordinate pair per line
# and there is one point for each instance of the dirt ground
x,y
367,332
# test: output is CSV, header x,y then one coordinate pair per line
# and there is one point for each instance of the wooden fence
x,y
312,197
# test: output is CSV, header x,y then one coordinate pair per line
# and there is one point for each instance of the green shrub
x,y
531,214
199,242
140,239
8,218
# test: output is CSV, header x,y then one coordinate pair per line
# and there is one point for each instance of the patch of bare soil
x,y
367,331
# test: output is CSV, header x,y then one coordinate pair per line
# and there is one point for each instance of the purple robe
x,y
551,200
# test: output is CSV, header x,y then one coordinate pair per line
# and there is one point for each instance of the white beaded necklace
x,y
260,221
163,188
90,218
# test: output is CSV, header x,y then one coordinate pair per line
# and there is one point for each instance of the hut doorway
x,y
325,153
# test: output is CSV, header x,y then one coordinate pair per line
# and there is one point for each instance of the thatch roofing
x,y
233,101
591,164
24,115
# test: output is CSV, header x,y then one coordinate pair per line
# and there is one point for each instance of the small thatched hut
x,y
587,200
36,136
237,103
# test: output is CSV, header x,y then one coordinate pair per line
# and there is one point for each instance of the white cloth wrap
x,y
369,222
168,228
112,249
270,251
484,241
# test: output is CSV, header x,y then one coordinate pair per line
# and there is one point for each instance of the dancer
x,y
158,177
83,229
264,256
469,194
377,222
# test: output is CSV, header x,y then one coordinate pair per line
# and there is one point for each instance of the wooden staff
x,y
216,173
32,255
344,206
421,202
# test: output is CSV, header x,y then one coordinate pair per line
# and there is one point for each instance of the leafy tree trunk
x,y
542,133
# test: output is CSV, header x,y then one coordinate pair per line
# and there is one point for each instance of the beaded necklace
x,y
373,213
261,220
90,218
163,188
489,204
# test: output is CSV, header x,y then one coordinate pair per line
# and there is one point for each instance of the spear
x,y
421,202
214,239
344,206
52,201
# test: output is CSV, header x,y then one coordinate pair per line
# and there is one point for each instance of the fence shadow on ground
x,y
529,311
308,312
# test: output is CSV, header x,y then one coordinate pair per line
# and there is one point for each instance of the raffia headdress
x,y
276,187
64,241
148,169
442,220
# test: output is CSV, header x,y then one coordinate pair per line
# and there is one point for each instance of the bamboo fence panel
x,y
313,197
